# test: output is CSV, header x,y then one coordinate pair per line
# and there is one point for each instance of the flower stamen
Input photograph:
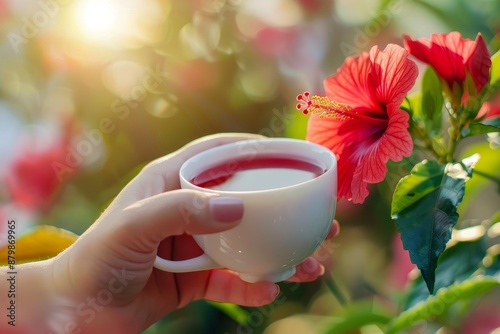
x,y
322,106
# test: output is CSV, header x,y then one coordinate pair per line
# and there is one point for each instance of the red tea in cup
x,y
257,173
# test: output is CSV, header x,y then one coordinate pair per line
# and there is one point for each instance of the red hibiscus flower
x,y
31,179
453,58
370,128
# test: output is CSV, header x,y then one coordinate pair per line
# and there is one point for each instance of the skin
x,y
106,279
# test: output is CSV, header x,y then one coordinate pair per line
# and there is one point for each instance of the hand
x,y
107,277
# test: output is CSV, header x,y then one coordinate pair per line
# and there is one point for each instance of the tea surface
x,y
258,173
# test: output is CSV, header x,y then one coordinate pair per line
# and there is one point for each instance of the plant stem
x,y
454,138
335,289
456,131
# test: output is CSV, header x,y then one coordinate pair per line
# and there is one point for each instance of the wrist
x,y
27,297
85,307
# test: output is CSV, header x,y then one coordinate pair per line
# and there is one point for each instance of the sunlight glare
x,y
98,18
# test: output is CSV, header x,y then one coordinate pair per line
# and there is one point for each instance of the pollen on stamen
x,y
322,106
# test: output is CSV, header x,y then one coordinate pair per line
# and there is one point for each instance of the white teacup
x,y
287,212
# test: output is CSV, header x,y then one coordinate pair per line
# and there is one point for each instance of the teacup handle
x,y
202,262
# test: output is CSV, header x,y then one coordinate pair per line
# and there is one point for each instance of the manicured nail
x,y
274,292
226,209
334,231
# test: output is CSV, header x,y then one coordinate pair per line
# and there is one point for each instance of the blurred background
x,y
92,90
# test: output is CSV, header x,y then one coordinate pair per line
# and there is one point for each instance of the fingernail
x,y
226,209
334,230
274,292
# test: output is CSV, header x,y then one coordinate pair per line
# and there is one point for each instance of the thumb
x,y
181,211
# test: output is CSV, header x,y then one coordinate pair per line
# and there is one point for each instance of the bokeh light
x,y
120,24
98,18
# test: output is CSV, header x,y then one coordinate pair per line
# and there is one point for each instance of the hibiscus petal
x,y
450,54
420,48
324,131
375,129
351,84
393,74
359,188
350,140
444,53
479,63
395,143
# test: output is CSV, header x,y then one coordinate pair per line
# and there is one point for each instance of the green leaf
x,y
478,128
473,98
235,312
411,103
432,101
495,71
437,305
358,315
424,178
425,208
456,264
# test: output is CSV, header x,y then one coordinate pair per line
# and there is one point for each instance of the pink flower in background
x,y
370,129
31,179
452,57
483,319
4,9
277,41
400,266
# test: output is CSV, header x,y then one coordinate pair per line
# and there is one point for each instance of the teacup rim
x,y
329,170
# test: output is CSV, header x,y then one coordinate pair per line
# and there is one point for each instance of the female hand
x,y
106,279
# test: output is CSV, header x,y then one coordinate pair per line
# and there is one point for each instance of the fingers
x,y
334,230
311,269
226,286
308,271
180,211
